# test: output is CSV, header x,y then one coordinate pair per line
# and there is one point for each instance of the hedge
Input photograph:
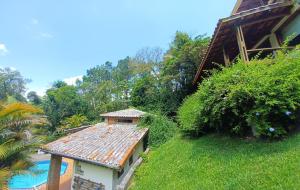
x,y
259,98
161,129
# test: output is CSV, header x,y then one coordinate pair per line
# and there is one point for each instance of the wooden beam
x,y
285,19
257,10
54,173
265,19
261,41
269,49
274,40
236,7
242,44
201,66
261,2
226,57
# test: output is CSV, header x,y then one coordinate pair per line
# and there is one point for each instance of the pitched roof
x,y
102,144
242,5
257,23
130,113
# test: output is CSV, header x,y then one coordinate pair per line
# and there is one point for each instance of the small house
x,y
123,116
105,155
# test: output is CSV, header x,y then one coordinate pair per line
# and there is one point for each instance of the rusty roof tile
x,y
102,144
130,113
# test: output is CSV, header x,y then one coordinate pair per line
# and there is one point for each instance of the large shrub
x,y
74,121
161,129
261,98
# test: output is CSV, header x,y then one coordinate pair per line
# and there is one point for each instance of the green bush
x,y
261,98
161,129
74,121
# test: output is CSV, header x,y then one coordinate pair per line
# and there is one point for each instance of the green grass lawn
x,y
214,162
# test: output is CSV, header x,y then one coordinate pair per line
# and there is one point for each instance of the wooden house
x,y
254,26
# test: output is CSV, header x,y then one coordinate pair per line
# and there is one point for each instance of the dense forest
x,y
152,80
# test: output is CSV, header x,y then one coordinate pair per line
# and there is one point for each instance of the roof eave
x,y
236,7
80,159
116,167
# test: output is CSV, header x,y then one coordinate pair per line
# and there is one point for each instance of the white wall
x,y
108,177
136,156
97,174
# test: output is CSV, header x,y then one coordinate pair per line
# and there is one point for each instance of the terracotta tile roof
x,y
102,144
132,113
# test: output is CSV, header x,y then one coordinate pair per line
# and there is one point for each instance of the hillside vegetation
x,y
218,162
261,98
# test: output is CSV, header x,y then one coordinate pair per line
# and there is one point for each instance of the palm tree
x,y
16,142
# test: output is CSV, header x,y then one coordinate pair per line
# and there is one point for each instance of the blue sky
x,y
60,39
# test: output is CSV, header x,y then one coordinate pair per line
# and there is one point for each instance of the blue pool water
x,y
30,181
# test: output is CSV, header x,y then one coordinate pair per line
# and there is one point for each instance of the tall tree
x,y
179,68
12,83
122,77
147,61
61,103
145,94
104,87
34,98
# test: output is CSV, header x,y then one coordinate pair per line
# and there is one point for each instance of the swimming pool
x,y
30,181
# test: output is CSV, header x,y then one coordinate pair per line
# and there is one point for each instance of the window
x,y
120,173
130,160
124,120
78,169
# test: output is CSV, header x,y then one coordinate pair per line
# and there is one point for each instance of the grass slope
x,y
214,162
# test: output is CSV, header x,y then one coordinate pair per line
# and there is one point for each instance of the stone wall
x,y
83,184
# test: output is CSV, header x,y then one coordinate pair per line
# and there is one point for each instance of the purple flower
x,y
271,129
288,113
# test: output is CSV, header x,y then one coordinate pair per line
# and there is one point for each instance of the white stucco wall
x,y
108,177
136,156
97,174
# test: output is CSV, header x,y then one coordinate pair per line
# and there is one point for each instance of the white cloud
x,y
12,68
72,80
41,92
3,49
46,35
34,21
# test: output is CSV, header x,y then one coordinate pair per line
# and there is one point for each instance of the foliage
x,y
219,162
145,94
16,121
12,83
151,80
34,98
261,98
61,103
161,129
105,88
179,68
122,78
162,82
74,121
